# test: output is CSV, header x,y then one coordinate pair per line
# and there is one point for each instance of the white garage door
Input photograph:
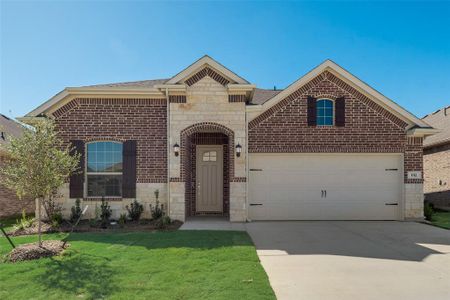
x,y
325,186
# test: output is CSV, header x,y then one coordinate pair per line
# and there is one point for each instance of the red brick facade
x,y
437,175
143,120
368,127
10,204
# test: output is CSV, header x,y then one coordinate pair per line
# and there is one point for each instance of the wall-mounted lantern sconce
x,y
176,149
238,150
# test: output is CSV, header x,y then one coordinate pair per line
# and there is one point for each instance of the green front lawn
x,y
441,219
143,265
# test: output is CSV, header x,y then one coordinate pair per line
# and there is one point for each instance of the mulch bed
x,y
33,229
87,226
34,251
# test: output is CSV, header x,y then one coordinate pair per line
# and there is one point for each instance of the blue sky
x,y
402,49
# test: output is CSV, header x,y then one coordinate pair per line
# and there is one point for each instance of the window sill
x,y
100,199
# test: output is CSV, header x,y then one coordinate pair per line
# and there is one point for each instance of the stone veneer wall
x,y
207,101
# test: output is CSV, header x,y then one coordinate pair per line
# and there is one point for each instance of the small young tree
x,y
38,164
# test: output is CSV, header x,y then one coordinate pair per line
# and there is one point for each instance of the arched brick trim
x,y
327,76
104,139
207,71
326,96
205,127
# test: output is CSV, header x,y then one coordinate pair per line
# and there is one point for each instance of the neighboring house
x,y
436,162
328,147
10,205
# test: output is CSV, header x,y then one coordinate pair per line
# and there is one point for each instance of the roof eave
x,y
104,91
422,131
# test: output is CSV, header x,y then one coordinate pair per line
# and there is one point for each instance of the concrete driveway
x,y
354,260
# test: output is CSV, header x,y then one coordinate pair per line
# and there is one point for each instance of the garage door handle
x,y
255,204
391,204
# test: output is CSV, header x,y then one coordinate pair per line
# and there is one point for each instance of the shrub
x,y
93,222
23,222
156,210
76,211
163,222
53,210
122,219
428,211
56,219
135,211
105,213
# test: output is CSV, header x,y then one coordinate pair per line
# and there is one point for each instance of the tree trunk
x,y
39,222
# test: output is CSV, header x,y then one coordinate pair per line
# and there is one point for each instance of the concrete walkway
x,y
211,223
354,260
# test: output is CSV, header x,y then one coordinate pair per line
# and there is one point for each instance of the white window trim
x,y
86,173
334,112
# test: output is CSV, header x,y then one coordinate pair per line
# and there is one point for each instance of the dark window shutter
x,y
340,112
129,170
77,179
312,111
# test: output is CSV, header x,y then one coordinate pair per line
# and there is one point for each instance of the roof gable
x,y
353,81
439,120
207,66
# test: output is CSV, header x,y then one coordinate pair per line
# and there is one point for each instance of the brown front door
x,y
209,179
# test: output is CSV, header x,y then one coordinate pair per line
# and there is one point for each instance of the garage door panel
x,y
289,187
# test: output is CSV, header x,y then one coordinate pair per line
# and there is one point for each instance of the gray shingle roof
x,y
261,95
439,120
131,84
9,127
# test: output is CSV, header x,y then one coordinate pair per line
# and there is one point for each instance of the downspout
x,y
168,150
246,164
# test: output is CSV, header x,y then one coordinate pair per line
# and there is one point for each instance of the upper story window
x,y
104,169
325,112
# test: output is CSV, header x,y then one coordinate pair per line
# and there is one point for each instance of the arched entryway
x,y
207,164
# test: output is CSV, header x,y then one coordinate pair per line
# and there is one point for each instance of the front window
x,y
210,156
104,169
325,112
